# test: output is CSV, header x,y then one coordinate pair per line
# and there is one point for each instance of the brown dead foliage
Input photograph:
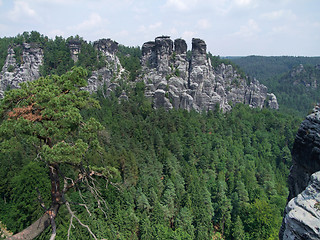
x,y
29,112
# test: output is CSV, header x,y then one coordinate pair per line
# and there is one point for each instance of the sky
x,y
229,27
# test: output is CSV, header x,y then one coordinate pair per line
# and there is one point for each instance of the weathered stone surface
x,y
13,74
302,220
75,48
104,77
180,46
302,216
187,83
32,58
195,84
305,153
272,102
107,46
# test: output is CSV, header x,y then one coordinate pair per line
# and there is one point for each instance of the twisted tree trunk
x,y
48,217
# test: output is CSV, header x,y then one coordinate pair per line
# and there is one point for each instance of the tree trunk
x,y
37,227
48,217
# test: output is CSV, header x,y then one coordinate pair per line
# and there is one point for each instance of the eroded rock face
x,y
13,73
75,48
302,219
194,84
32,58
302,214
107,76
305,154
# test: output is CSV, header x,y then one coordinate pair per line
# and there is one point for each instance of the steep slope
x,y
173,81
13,73
302,216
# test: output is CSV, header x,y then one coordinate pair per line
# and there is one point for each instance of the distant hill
x,y
294,80
263,68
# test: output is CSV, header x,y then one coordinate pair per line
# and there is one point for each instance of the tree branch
x,y
79,221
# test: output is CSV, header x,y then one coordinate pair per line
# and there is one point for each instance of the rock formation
x,y
12,73
106,77
75,48
302,216
173,81
31,58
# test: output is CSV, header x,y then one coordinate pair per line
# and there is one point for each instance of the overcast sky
x,y
229,27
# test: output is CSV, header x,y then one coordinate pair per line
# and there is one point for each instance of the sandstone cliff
x,y
13,73
107,76
32,57
302,214
174,81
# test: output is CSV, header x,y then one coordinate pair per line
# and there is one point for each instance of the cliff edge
x,y
302,214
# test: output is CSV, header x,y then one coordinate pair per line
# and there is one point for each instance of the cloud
x,y
243,2
22,10
94,21
123,33
203,24
248,30
155,25
188,34
279,14
55,32
180,5
150,27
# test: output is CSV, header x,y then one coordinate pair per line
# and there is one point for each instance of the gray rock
x,y
111,73
180,46
13,74
75,48
302,216
195,84
301,221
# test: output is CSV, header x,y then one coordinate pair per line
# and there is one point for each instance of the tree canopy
x,y
45,115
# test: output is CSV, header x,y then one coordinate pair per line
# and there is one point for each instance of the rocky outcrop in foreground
x,y
302,214
174,81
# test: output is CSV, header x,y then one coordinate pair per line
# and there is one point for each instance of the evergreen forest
x,y
128,171
296,93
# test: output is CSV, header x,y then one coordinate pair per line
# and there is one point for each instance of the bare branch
x,y
69,229
79,221
54,227
97,196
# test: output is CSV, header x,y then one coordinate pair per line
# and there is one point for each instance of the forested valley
x,y
293,79
151,173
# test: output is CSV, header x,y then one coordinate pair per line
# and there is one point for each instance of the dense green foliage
x,y
172,174
130,59
43,132
296,93
57,56
184,175
264,68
